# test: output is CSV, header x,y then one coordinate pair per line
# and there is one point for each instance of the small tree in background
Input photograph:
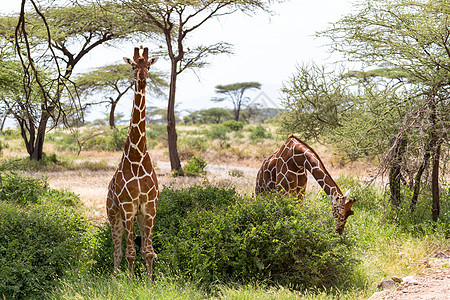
x,y
112,82
234,93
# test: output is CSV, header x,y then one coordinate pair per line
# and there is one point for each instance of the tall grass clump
x,y
43,237
122,288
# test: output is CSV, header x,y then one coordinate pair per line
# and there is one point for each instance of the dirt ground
x,y
432,284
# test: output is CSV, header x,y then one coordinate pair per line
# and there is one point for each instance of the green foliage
x,y
48,162
191,146
20,189
11,134
241,239
195,166
258,133
42,239
234,125
122,288
218,132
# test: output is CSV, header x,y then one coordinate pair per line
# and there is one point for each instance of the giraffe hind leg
x,y
145,224
129,237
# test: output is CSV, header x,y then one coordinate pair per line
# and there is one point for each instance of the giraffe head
x,y
342,209
141,64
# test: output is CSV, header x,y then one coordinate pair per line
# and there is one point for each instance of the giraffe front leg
x,y
115,221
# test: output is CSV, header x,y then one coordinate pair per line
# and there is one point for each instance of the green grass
x,y
122,288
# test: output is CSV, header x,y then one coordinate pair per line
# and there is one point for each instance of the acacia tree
x,y
49,42
404,45
114,81
234,93
177,20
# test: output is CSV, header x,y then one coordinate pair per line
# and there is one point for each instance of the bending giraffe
x,y
285,170
133,191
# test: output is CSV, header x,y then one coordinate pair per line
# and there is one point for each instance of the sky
x,y
267,49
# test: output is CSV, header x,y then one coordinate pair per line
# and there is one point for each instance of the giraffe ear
x,y
129,61
347,193
152,61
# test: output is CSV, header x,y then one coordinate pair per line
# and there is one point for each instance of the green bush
x,y
229,238
20,189
156,134
218,132
259,132
195,166
112,140
11,134
234,125
48,162
42,239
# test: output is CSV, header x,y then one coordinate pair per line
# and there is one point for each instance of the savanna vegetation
x,y
216,240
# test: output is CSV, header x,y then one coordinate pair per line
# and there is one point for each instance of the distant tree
x,y
156,115
214,115
234,93
192,117
112,82
177,20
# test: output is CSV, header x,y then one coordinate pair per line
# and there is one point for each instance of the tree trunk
x,y
435,208
418,177
112,121
40,137
394,172
175,163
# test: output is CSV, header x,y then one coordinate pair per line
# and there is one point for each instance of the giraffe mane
x,y
320,160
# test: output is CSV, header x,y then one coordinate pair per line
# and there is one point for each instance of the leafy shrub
x,y
20,189
195,166
41,239
234,125
48,162
156,134
218,132
241,239
189,147
259,132
113,140
11,134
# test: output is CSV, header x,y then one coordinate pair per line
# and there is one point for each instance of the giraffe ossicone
x,y
133,191
285,171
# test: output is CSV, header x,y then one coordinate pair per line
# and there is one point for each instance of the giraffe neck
x,y
135,143
306,157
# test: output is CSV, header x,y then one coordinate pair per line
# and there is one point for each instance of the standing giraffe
x,y
133,191
286,169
